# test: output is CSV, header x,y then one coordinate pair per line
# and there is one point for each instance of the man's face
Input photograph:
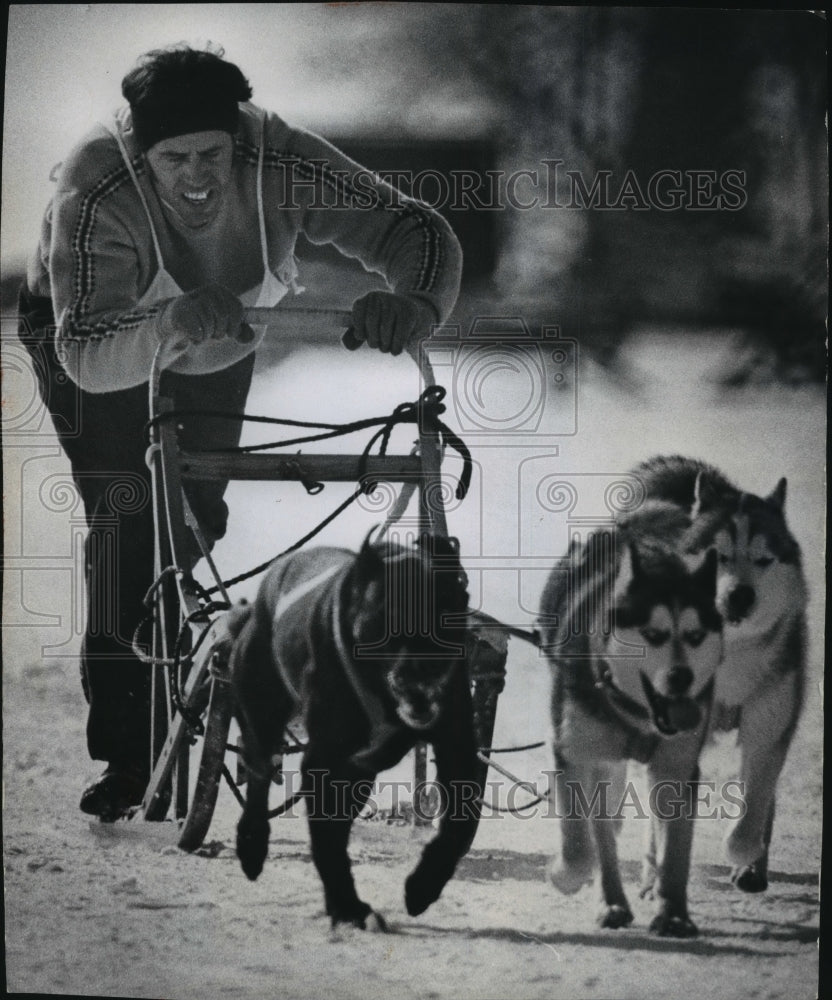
x,y
191,174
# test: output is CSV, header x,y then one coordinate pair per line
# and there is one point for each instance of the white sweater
x,y
96,256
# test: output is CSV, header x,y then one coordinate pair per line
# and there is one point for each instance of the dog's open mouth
x,y
670,715
418,720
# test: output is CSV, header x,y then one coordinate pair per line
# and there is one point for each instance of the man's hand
x,y
387,321
207,313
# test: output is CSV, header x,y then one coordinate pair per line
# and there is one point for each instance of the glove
x,y
387,321
207,313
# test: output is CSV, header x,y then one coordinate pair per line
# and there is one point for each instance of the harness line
x,y
369,701
286,602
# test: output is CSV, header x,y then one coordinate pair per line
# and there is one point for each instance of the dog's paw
x,y
376,923
673,925
615,916
749,878
570,878
419,893
743,847
364,918
252,847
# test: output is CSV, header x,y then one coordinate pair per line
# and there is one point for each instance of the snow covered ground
x,y
118,910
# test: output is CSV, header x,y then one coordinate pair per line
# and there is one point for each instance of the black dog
x,y
371,649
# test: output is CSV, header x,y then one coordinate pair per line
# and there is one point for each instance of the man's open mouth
x,y
670,715
198,198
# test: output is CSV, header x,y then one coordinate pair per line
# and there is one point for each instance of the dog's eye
x,y
764,561
694,636
655,636
724,559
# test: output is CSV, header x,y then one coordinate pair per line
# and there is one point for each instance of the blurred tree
x,y
647,90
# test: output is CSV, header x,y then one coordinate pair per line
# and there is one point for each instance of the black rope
x,y
194,722
301,541
232,784
284,806
249,418
430,400
514,809
287,804
404,413
424,412
528,746
150,617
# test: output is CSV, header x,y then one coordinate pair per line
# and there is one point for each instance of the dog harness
x,y
287,600
369,701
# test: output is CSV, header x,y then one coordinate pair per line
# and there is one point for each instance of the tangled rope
x,y
424,412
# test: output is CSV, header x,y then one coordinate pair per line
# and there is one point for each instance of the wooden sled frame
x,y
203,679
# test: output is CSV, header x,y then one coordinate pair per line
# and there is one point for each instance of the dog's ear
x,y
629,569
777,497
369,558
452,545
439,545
454,569
426,542
705,495
442,554
707,572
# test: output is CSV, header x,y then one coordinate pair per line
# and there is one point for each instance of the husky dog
x,y
370,647
634,640
761,594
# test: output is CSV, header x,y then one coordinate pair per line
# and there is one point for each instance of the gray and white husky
x,y
634,641
761,595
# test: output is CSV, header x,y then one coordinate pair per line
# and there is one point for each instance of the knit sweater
x,y
96,256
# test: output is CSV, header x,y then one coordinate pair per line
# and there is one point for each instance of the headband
x,y
185,111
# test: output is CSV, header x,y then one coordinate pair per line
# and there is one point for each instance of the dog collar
x,y
605,684
623,705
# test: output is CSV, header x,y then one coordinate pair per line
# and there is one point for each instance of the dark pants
x,y
104,437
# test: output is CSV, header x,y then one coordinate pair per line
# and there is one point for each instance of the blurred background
x,y
696,329
700,330
615,93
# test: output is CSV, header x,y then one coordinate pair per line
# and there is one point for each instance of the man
x,y
167,221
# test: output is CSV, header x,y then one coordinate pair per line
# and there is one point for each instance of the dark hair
x,y
177,90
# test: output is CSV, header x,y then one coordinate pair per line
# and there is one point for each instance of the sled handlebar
x,y
288,318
